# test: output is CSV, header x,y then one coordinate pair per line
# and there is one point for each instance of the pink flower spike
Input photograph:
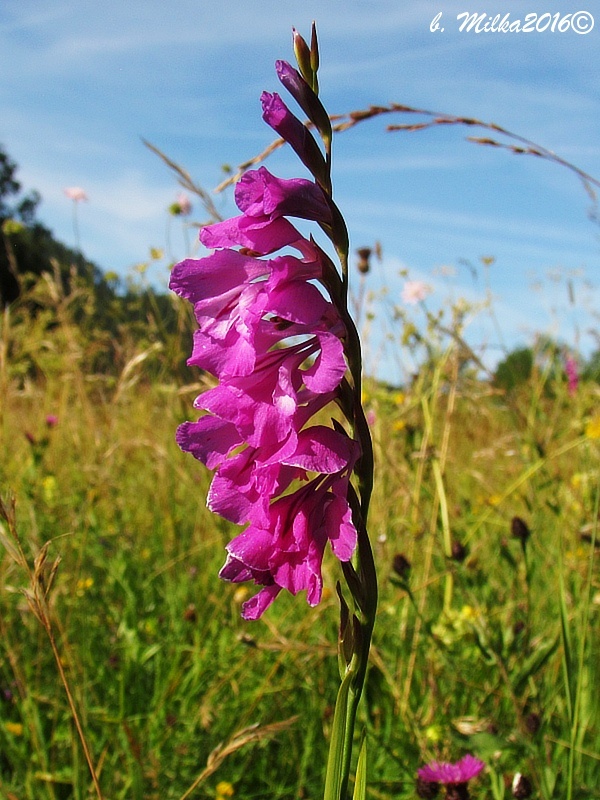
x,y
446,773
76,193
572,375
51,420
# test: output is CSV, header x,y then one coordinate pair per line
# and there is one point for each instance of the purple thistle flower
x,y
455,777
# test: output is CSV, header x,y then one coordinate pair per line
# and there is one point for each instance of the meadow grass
x,y
486,638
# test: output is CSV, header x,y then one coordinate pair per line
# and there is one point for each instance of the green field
x,y
486,640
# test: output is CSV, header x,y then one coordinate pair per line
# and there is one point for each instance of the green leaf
x,y
333,779
360,784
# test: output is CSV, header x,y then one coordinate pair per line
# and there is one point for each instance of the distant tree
x,y
515,369
591,369
26,245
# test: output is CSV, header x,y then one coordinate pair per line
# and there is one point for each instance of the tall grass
x,y
486,641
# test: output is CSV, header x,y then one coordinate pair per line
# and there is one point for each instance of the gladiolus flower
x,y
275,342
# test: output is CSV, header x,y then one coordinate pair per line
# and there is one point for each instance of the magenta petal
x,y
252,548
330,365
259,193
209,439
204,279
255,607
340,528
321,449
298,302
261,235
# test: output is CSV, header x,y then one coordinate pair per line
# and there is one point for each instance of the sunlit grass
x,y
486,643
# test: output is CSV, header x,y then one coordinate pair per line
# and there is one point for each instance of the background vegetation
x,y
484,525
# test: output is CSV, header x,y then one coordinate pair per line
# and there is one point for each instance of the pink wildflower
x,y
51,420
76,193
184,204
415,291
572,374
455,777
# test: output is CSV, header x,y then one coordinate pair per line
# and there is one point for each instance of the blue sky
x,y
82,82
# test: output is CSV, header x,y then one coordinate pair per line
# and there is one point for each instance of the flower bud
x,y
519,530
459,551
401,566
302,53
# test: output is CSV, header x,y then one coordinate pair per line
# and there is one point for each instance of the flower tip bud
x,y
314,48
303,57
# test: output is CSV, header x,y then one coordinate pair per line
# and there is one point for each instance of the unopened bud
x,y
459,551
519,529
401,566
302,53
533,722
314,48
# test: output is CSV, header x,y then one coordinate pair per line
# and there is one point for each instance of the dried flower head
x,y
363,264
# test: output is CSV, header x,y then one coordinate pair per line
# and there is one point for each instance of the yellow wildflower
x,y
433,733
241,594
49,488
592,429
16,728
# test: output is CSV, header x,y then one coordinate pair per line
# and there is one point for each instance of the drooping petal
x,y
255,607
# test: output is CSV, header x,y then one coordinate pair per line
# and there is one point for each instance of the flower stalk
x,y
276,332
355,630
